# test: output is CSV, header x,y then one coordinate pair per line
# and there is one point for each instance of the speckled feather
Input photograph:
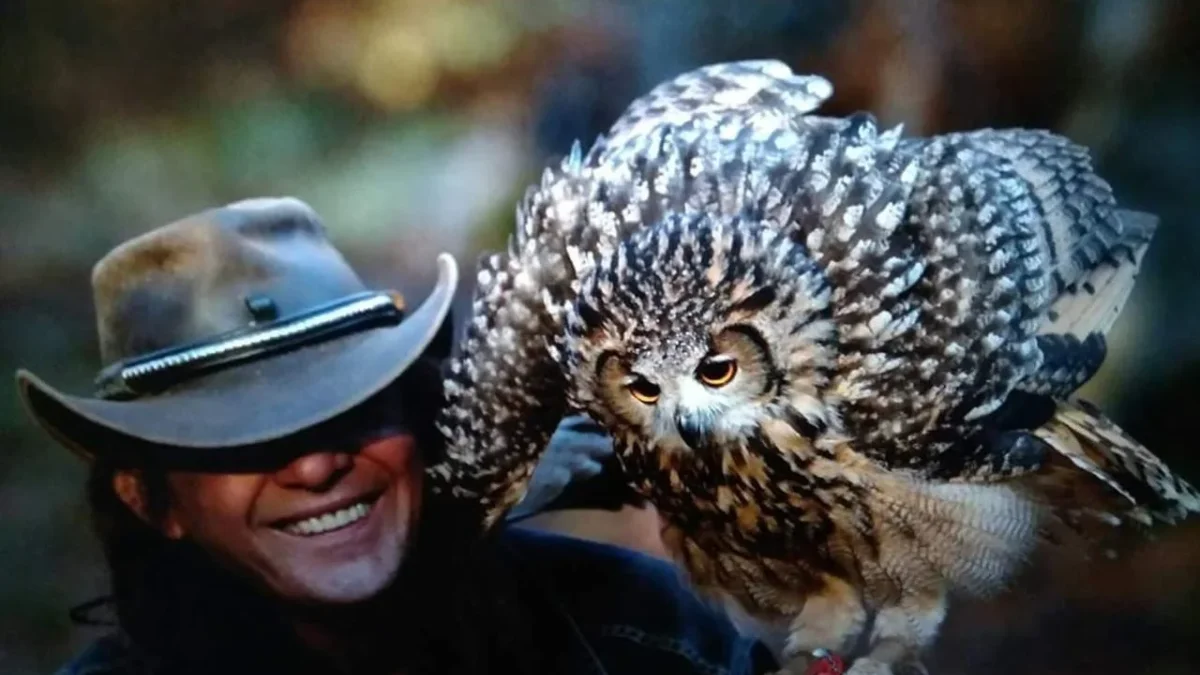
x,y
928,305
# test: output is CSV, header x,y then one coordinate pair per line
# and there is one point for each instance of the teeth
x,y
329,521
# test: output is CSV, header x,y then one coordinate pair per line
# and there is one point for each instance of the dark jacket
x,y
620,611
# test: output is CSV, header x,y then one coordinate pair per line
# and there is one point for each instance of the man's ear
x,y
131,490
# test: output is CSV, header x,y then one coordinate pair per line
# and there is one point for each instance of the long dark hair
x,y
457,606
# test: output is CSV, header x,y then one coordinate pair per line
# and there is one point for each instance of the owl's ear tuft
x,y
755,301
592,318
808,428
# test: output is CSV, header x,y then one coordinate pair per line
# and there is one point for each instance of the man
x,y
256,446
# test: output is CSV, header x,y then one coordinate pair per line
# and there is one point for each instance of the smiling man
x,y
329,526
256,446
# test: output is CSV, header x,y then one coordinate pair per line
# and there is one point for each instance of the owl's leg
x,y
832,619
901,631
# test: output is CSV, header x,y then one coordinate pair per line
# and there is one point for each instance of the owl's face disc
x,y
696,387
697,331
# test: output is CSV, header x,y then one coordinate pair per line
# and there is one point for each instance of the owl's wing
x,y
663,153
964,329
729,99
1073,268
1100,476
1091,471
1094,299
1073,337
1003,235
503,393
700,141
506,390
1091,249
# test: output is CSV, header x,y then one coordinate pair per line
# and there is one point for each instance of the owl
x,y
839,360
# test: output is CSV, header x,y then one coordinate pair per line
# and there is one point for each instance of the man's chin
x,y
346,584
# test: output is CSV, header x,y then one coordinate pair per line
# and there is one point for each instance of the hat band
x,y
162,369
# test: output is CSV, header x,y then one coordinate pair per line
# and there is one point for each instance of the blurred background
x,y
413,126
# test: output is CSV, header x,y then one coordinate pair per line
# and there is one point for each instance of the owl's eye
x,y
644,390
717,372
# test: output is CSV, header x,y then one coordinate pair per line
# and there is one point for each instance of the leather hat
x,y
232,328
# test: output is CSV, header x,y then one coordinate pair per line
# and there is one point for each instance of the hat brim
x,y
251,404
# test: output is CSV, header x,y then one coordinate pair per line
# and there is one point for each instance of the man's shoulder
x,y
108,655
639,605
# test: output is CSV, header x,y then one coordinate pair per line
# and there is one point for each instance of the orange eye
x,y
717,373
644,390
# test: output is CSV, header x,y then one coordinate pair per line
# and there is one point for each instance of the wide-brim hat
x,y
233,327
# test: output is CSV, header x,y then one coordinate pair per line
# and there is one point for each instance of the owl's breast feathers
x,y
770,495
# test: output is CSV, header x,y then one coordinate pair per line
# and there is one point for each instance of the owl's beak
x,y
694,430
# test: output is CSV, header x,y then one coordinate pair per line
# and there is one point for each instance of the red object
x,y
826,664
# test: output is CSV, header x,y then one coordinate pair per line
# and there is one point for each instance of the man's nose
x,y
314,471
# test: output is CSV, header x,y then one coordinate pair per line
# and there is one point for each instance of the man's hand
x,y
575,452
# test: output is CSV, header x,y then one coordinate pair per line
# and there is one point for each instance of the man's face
x,y
332,526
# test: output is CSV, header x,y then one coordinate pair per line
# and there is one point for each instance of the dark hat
x,y
234,327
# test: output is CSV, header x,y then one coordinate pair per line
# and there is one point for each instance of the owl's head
x,y
695,331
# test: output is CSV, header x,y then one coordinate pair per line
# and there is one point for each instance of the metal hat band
x,y
157,371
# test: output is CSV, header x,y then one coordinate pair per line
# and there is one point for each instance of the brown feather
x,y
1104,490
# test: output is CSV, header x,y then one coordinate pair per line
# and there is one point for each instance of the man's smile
x,y
328,518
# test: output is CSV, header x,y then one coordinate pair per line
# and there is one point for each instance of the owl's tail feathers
x,y
504,392
1099,479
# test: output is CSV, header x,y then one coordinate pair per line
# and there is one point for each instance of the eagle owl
x,y
839,360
